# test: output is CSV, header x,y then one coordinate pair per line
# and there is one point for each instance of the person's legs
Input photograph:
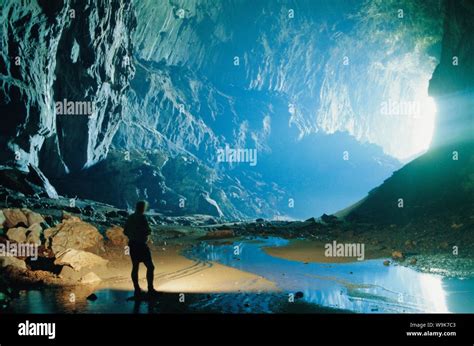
x,y
141,253
150,268
150,275
135,267
135,257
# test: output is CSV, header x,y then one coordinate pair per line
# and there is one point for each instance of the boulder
x,y
33,234
78,259
68,217
35,227
17,234
12,261
14,217
2,219
67,273
116,236
32,217
48,233
73,233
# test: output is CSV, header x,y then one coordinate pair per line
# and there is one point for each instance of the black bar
x,y
292,329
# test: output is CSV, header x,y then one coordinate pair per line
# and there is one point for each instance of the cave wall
x,y
188,97
295,49
62,50
452,83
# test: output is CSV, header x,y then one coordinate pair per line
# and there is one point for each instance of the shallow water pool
x,y
361,286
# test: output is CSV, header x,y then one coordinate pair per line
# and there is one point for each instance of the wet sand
x,y
308,251
176,273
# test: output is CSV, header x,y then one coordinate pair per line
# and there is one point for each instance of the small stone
x,y
386,263
92,297
398,255
90,278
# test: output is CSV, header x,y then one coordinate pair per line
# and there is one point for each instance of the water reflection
x,y
366,286
362,286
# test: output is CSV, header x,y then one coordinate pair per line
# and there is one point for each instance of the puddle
x,y
361,286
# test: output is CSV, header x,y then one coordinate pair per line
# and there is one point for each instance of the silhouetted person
x,y
137,230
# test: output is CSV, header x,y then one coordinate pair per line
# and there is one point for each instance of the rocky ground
x,y
81,242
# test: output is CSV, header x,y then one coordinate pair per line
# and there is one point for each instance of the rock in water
x,y
398,255
92,297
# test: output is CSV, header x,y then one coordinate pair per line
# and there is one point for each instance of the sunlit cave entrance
x,y
266,157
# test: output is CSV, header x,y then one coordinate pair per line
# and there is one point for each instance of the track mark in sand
x,y
196,267
188,271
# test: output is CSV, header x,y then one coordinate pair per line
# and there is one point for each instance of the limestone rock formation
x,y
73,233
54,51
77,259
